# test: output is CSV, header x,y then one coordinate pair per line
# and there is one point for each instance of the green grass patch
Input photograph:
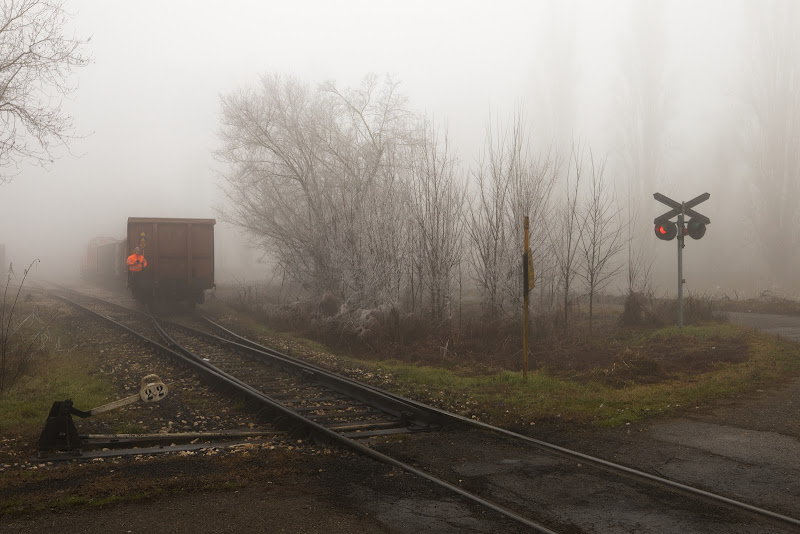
x,y
24,407
696,333
11,506
505,398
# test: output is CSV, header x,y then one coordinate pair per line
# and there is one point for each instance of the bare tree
x,y
645,103
643,111
487,230
37,59
565,232
601,237
437,200
637,265
512,183
558,72
532,179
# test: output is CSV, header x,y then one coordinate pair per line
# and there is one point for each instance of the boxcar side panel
x,y
202,246
179,253
111,263
90,269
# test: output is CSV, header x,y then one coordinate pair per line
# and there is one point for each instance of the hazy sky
x,y
148,104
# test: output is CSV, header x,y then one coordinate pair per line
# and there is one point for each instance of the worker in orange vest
x,y
136,262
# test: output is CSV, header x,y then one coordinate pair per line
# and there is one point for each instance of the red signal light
x,y
666,230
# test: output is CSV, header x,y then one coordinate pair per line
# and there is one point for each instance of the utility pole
x,y
527,285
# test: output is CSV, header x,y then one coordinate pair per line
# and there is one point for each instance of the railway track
x,y
340,410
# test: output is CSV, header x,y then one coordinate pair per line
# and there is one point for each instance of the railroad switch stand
x,y
60,435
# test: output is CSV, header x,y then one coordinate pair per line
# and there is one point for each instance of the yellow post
x,y
525,289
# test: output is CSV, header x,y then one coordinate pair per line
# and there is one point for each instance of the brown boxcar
x,y
180,259
89,267
111,269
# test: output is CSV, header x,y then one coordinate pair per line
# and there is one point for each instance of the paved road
x,y
786,326
748,447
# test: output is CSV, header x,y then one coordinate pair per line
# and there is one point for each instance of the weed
x,y
21,338
195,400
24,409
129,428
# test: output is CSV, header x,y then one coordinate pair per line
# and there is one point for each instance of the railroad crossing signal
x,y
668,230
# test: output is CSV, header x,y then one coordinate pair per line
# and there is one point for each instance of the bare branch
x,y
37,60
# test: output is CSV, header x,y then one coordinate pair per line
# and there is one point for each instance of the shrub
x,y
638,310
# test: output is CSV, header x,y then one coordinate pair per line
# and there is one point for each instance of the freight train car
x,y
110,262
180,259
89,266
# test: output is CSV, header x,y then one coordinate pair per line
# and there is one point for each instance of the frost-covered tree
x,y
437,201
310,174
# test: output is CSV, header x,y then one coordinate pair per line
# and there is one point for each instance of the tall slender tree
x,y
643,113
511,183
437,201
772,96
565,233
601,238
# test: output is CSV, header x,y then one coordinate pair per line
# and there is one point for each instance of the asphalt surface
x,y
785,326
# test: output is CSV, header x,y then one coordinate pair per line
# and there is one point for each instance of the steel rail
x,y
464,421
404,409
323,431
216,374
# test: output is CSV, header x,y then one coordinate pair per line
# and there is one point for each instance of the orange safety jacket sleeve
x,y
136,262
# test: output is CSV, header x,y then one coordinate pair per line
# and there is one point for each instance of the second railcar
x,y
111,268
89,263
180,259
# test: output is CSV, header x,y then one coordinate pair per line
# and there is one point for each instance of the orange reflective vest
x,y
136,262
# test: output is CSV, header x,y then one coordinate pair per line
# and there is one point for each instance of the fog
x,y
601,72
